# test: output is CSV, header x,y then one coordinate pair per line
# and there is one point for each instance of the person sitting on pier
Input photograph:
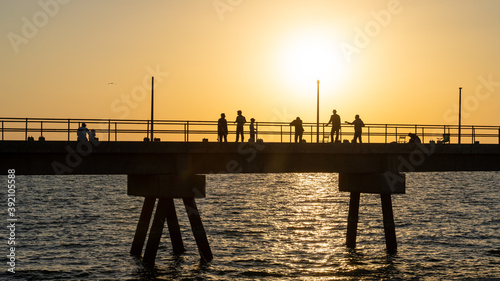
x,y
240,121
299,130
92,136
82,132
414,138
222,128
335,120
358,124
252,130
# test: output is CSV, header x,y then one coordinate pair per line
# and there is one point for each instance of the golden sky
x,y
388,61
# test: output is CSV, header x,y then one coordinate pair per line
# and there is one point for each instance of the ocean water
x,y
260,227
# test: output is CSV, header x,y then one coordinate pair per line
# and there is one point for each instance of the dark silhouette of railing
x,y
186,131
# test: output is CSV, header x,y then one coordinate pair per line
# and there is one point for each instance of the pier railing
x,y
197,131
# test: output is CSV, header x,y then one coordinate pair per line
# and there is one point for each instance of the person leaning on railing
x,y
358,124
82,132
299,129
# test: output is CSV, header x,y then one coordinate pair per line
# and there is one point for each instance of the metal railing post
x,y
26,131
41,128
69,122
116,133
187,131
2,129
256,131
368,134
109,130
385,133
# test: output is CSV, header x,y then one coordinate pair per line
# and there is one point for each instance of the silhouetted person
x,y
358,124
299,130
92,136
82,132
335,120
240,121
222,128
414,138
252,130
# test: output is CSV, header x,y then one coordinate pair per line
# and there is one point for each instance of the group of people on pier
x,y
83,131
222,130
335,121
240,121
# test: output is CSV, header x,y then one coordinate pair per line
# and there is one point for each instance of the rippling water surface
x,y
260,227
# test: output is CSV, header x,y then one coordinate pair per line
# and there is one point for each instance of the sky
x,y
389,61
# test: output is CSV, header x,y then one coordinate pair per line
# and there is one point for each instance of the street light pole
x,y
317,117
152,105
459,115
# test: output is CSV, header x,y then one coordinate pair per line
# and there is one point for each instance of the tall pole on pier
x,y
152,105
317,118
459,115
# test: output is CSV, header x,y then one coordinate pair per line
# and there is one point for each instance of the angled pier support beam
x,y
142,226
384,184
167,187
173,227
155,232
198,230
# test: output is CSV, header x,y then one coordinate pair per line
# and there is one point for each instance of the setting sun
x,y
310,56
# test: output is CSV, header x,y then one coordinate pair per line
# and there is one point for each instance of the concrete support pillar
x,y
173,227
198,231
352,220
142,226
156,231
389,226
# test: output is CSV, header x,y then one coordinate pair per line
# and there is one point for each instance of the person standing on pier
x,y
252,130
240,121
335,120
358,124
222,128
82,132
299,130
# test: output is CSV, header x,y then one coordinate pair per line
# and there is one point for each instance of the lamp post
x,y
317,117
152,105
459,115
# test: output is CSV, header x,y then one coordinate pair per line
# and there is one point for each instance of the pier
x,y
175,164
